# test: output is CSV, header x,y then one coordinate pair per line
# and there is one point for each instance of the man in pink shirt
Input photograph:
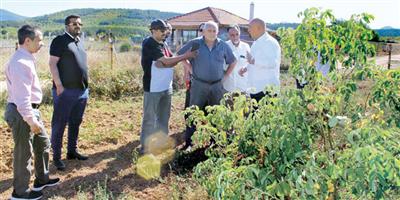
x,y
23,117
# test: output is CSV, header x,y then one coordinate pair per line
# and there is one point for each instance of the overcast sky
x,y
386,12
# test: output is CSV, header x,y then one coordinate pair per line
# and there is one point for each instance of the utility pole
x,y
111,42
389,46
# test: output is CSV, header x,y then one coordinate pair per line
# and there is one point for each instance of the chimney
x,y
251,11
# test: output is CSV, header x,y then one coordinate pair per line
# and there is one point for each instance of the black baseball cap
x,y
158,24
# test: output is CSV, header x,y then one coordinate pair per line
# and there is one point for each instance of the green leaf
x,y
333,122
310,187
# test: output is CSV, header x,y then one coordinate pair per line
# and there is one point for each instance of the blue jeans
x,y
69,107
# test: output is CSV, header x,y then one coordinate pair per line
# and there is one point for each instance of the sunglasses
x,y
161,30
76,24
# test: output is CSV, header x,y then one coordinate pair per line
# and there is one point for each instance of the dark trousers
x,y
187,98
300,85
25,143
201,95
260,95
69,107
257,96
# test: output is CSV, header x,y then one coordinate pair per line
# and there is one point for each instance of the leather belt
x,y
34,105
208,82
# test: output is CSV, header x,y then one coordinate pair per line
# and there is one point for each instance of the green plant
x,y
115,84
125,47
386,94
99,193
317,143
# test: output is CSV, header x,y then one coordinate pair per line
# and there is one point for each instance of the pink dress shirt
x,y
23,83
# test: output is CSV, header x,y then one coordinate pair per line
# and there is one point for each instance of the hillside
x,y
122,22
6,15
275,26
388,32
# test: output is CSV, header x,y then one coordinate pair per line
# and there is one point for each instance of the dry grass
x,y
109,135
99,55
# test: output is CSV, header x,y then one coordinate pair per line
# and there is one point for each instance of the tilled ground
x,y
109,135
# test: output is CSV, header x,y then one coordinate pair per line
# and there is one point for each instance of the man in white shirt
x,y
323,68
235,82
264,61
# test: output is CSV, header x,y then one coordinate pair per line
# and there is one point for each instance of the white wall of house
x,y
181,36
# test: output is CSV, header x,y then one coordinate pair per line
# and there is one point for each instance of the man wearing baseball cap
x,y
157,63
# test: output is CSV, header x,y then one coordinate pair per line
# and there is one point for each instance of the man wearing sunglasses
x,y
157,62
69,70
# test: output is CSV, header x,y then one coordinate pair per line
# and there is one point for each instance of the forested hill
x,y
121,22
6,15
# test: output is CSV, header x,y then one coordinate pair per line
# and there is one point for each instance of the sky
x,y
386,12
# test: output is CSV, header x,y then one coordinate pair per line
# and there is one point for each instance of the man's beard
x,y
76,33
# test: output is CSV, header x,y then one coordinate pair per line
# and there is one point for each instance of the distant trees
x,y
388,32
375,36
102,23
125,47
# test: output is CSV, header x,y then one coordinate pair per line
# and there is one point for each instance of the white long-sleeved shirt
x,y
323,68
234,81
23,83
266,53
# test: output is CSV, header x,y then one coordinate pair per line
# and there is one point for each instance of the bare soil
x,y
109,135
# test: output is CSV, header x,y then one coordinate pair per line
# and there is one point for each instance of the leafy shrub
x,y
316,143
115,84
125,47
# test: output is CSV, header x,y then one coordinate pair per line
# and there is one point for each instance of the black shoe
x,y
59,164
186,147
39,187
76,155
30,195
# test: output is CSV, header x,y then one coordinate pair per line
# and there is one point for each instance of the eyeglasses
x,y
76,24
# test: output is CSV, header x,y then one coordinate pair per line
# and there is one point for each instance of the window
x,y
187,35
